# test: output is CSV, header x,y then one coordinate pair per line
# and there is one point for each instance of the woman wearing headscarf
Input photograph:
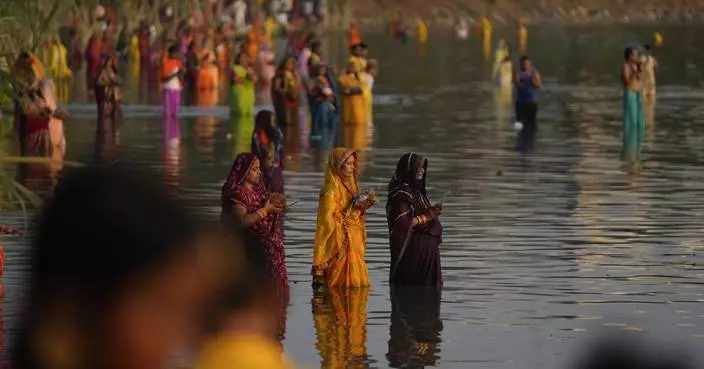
x,y
33,114
341,236
415,233
247,202
108,94
267,144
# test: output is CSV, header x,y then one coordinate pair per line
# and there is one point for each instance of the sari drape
x,y
415,251
252,199
340,238
266,232
242,101
354,109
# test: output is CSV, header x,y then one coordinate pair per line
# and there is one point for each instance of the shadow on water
x,y
563,241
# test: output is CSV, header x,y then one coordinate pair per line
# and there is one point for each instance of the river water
x,y
548,242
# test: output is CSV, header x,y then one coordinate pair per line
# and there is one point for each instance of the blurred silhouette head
x,y
112,281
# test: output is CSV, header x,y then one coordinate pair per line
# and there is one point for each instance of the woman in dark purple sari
x,y
415,233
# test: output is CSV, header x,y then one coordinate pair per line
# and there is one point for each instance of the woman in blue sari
x,y
633,118
324,113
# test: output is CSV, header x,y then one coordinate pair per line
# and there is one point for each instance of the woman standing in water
x,y
341,236
352,86
415,232
108,94
242,78
286,92
35,116
633,119
267,144
246,201
323,98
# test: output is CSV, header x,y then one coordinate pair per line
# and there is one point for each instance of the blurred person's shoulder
x,y
243,352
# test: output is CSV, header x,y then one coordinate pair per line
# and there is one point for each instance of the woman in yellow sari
x,y
57,61
352,87
341,236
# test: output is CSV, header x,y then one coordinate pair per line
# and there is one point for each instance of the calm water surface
x,y
547,241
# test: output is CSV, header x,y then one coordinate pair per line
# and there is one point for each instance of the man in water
x,y
527,83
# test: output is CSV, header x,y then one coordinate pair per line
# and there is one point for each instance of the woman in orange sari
x,y
341,236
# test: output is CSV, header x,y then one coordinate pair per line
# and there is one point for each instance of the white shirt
x,y
174,84
370,81
240,13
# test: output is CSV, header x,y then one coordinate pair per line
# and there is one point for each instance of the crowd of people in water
x,y
139,296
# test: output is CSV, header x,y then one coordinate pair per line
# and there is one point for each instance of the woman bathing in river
x,y
246,201
341,236
108,93
633,118
415,232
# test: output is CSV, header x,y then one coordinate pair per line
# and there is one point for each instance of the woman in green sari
x,y
243,79
633,118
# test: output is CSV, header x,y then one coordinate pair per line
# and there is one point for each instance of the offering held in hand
x,y
366,197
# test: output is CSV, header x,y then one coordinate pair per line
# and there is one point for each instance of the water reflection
x,y
241,129
415,329
292,148
340,316
356,137
206,125
172,151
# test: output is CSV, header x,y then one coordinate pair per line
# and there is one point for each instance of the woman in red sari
x,y
246,200
93,57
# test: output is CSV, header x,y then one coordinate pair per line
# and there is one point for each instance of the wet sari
x,y
267,230
340,238
415,251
